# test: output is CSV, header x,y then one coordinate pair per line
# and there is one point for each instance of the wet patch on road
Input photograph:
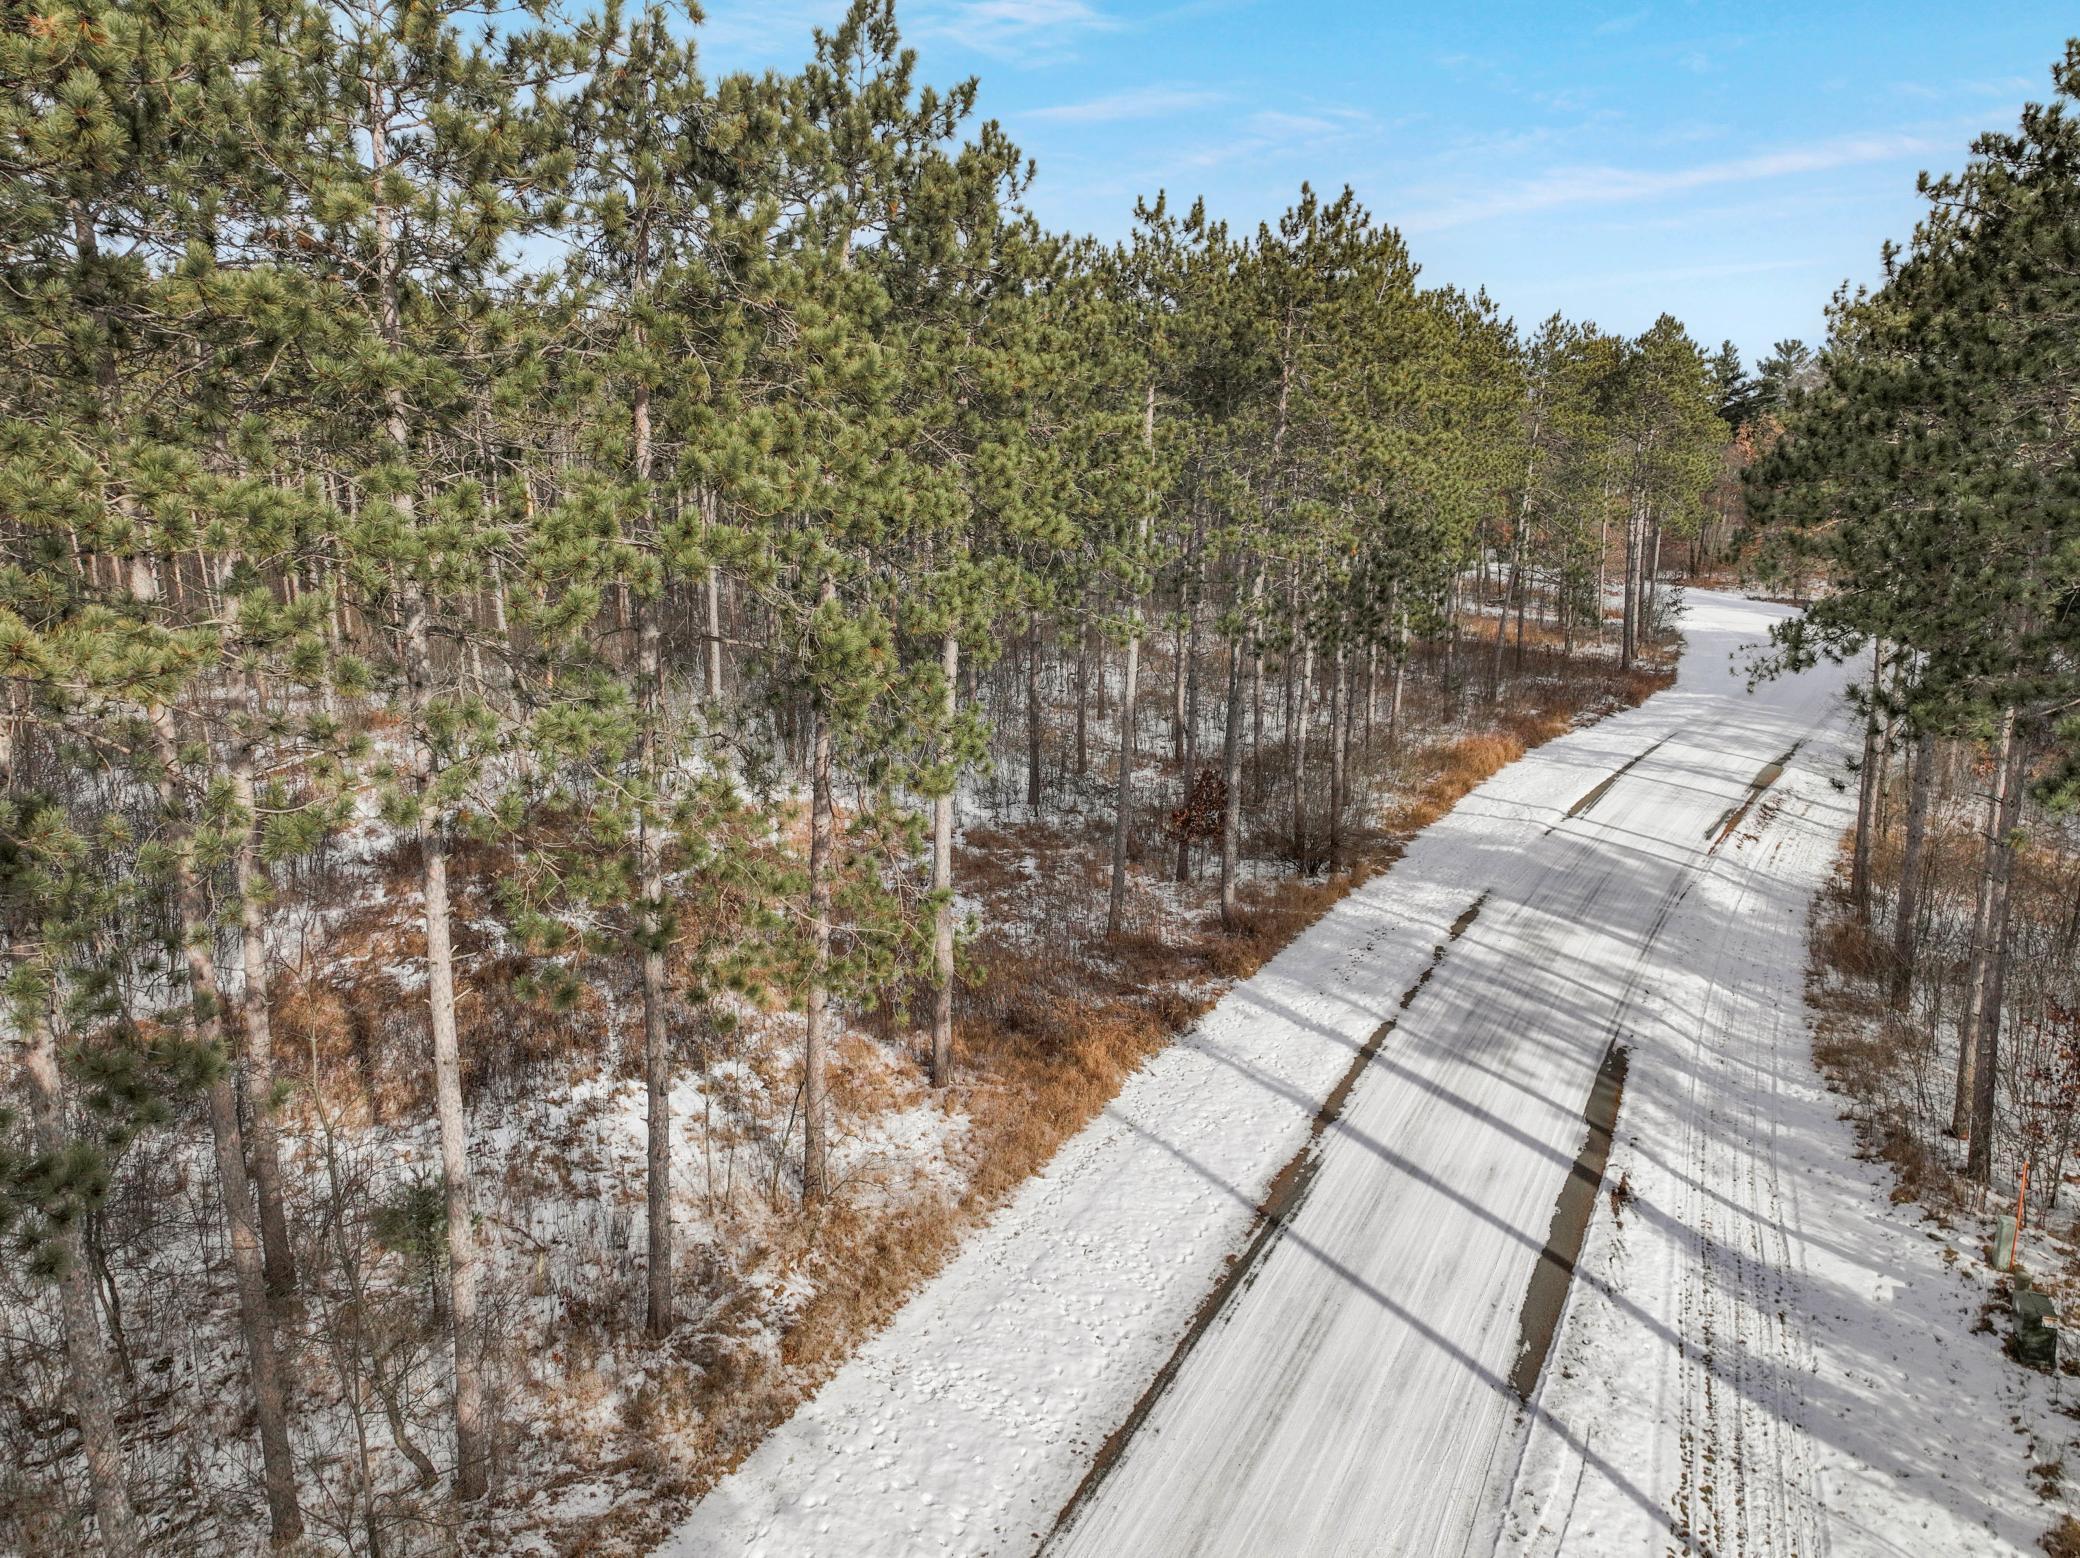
x,y
1730,818
1546,1300
1603,788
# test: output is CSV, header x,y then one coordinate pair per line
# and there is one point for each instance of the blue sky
x,y
1727,163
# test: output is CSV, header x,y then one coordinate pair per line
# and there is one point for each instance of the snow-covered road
x,y
1353,1395
1356,1398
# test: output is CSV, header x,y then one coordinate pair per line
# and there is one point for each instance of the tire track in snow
x,y
1753,1449
1287,1194
1743,1479
1540,988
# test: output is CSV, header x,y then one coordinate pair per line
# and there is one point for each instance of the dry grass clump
x,y
1861,1048
1852,949
1870,1052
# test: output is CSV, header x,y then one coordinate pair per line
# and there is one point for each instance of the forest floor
x,y
606,1439
1761,1349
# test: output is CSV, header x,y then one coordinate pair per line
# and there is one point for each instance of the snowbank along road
x,y
1081,1378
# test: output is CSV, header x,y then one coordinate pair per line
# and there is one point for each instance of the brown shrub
x,y
1851,948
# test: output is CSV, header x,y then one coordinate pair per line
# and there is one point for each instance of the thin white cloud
x,y
1617,24
1140,103
1019,31
2001,90
1562,188
1301,126
1271,132
735,32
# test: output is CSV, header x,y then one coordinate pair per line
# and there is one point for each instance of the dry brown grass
x,y
1864,1048
1851,949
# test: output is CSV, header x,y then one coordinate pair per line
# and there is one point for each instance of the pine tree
x,y
446,149
641,123
1670,438
49,900
1928,467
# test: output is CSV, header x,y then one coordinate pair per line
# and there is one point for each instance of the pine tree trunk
x,y
1985,1009
1189,758
624,622
1123,804
1250,646
498,601
1653,582
1123,801
714,594
1451,639
1649,574
1628,623
472,1447
92,1394
712,589
1523,592
1288,664
1603,568
651,918
1231,773
476,654
256,1317
1867,797
10,724
657,1056
255,1308
1256,706
1180,654
1991,857
815,1038
472,1451
280,1261
472,1459
1401,647
1371,689
1906,927
1300,722
1034,713
1339,742
1083,702
942,887
1514,585
1635,571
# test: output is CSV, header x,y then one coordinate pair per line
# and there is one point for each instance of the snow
x,y
1782,1356
1718,1361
